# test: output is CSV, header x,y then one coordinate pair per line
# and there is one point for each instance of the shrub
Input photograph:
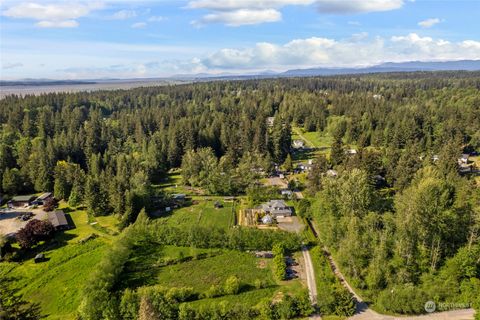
x,y
213,291
33,232
404,299
232,285
50,204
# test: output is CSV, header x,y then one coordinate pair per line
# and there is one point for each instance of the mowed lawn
x,y
202,214
57,283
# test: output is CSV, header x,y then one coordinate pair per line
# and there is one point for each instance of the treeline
x,y
103,149
403,249
157,302
227,175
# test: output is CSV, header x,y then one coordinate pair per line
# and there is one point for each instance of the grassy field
x,y
203,214
56,284
190,267
313,139
171,266
202,273
320,144
173,184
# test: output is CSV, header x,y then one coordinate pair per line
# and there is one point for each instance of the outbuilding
x,y
179,197
39,258
20,201
267,219
43,198
59,220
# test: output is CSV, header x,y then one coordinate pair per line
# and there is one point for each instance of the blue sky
x,y
130,39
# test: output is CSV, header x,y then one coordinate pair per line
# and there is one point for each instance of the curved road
x,y
363,312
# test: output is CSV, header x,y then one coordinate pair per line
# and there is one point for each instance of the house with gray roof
x,y
20,201
276,208
43,198
59,220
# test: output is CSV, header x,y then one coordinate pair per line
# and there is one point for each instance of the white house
x,y
298,144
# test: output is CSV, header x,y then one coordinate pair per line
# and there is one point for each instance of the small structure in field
x,y
59,220
463,159
332,173
286,193
351,152
218,205
298,144
39,258
270,121
264,254
302,167
20,201
267,219
179,197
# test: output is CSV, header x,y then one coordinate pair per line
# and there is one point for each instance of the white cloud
x,y
124,14
156,19
245,12
139,25
428,23
241,17
53,15
242,12
57,24
75,59
357,6
359,50
222,5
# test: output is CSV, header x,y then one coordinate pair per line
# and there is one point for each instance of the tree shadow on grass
x,y
305,154
60,240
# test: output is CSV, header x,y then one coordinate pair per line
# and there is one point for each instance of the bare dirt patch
x,y
291,224
261,264
9,222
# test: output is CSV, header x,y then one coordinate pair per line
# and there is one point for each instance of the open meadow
x,y
56,283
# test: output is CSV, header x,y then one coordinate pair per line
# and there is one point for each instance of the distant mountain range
x,y
466,65
412,66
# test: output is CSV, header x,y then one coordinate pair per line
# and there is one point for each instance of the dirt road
x,y
363,312
310,275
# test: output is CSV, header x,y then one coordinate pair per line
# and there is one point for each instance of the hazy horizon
x,y
148,39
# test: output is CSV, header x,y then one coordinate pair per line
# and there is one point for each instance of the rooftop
x,y
57,218
23,198
44,196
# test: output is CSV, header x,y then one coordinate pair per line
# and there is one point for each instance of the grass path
x,y
299,133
